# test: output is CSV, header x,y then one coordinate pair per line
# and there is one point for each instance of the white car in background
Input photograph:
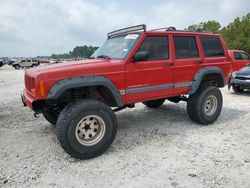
x,y
26,63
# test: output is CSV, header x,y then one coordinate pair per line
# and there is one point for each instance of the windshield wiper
x,y
103,56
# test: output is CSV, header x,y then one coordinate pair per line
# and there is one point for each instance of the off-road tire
x,y
50,115
197,104
17,66
237,89
70,118
154,103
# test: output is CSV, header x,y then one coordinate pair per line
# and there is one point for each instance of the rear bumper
x,y
245,84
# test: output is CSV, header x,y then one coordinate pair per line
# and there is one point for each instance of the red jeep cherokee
x,y
239,59
133,65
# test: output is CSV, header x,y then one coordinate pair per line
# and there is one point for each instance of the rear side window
x,y
156,46
212,47
185,47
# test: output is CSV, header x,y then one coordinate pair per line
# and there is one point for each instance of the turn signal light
x,y
42,91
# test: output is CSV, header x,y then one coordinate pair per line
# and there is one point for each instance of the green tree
x,y
210,26
54,56
237,33
78,52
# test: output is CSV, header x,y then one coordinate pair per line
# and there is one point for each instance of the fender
x,y
59,87
201,74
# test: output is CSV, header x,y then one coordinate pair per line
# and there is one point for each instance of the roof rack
x,y
137,28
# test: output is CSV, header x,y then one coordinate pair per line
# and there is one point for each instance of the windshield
x,y
117,47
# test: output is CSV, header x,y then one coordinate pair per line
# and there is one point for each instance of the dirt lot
x,y
153,148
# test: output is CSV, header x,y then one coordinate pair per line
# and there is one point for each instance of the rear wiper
x,y
103,56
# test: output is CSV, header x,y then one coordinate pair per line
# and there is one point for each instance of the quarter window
x,y
185,47
156,46
212,47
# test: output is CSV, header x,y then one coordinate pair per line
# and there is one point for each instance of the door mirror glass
x,y
141,56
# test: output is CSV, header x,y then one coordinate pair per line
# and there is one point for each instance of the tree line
x,y
236,34
78,52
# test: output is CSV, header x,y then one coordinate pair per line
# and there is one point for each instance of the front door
x,y
151,78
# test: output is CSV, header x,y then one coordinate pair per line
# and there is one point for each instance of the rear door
x,y
22,63
240,60
152,78
28,63
187,61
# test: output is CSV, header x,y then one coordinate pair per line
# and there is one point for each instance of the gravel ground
x,y
153,148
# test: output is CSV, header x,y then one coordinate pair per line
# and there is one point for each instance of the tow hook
x,y
36,114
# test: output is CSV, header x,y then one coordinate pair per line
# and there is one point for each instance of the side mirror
x,y
141,56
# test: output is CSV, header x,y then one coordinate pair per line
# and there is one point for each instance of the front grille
x,y
29,83
242,78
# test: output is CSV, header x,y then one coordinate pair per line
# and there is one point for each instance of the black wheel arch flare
x,y
205,72
69,83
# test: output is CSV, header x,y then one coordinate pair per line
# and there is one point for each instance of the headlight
x,y
234,75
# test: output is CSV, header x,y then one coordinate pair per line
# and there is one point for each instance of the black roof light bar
x,y
136,28
142,27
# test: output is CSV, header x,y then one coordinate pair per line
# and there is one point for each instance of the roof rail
x,y
165,28
174,29
138,28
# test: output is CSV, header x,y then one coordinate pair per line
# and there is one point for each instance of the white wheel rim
x,y
210,105
90,130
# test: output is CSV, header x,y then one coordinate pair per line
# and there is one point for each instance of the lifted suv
x,y
133,65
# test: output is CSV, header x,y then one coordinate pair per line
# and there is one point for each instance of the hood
x,y
244,71
74,68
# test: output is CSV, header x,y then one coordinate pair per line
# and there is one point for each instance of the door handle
x,y
168,64
198,61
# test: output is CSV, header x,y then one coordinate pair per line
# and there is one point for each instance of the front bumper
x,y
244,84
27,100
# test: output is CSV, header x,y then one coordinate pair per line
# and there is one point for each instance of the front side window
x,y
156,46
237,55
212,47
117,47
185,47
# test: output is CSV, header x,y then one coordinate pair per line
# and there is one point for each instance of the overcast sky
x,y
42,27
